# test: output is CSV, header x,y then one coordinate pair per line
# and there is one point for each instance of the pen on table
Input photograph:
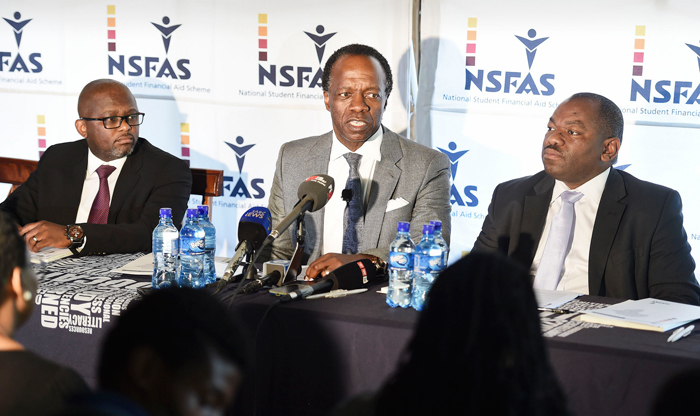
x,y
554,310
680,333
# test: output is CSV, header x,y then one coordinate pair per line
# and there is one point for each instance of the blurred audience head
x,y
677,395
17,281
176,352
477,348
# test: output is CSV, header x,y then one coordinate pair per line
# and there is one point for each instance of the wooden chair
x,y
15,171
205,182
208,183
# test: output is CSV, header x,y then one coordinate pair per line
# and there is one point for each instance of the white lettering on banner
x,y
82,300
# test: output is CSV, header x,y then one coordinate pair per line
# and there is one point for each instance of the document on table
x,y
143,266
647,314
554,298
49,254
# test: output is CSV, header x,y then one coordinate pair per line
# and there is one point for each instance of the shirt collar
x,y
592,190
370,150
95,162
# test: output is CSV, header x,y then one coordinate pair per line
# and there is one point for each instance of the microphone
x,y
346,195
353,275
257,284
313,195
253,227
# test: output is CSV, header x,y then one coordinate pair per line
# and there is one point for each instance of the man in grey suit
x,y
400,180
625,237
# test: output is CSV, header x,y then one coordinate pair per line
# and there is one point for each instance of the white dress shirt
x,y
575,270
92,184
339,170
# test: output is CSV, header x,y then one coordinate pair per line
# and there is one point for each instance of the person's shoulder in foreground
x,y
30,385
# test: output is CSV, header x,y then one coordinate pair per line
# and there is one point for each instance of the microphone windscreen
x,y
353,275
319,188
254,226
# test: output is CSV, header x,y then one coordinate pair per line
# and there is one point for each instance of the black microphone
x,y
313,195
253,227
353,275
257,284
346,195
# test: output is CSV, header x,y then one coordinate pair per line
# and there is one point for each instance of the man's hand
x,y
42,234
329,262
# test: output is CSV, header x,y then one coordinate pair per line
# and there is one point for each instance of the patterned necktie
x,y
353,220
100,206
549,271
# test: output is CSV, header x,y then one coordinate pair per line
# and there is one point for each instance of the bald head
x,y
86,100
102,99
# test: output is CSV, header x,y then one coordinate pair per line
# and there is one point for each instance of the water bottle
x,y
165,250
209,242
427,264
401,268
441,242
192,244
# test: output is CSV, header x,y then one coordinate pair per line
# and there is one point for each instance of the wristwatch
x,y
76,236
379,263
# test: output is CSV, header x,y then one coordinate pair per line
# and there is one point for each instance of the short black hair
x,y
13,251
610,120
357,49
181,325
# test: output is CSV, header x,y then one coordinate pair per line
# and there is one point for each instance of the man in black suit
x,y
102,194
627,238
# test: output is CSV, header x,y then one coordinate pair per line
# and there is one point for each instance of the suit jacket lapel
x,y
73,194
607,220
128,178
319,155
386,176
534,216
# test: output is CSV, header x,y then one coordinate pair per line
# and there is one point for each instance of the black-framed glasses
x,y
115,122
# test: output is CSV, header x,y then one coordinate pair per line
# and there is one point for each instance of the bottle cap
x,y
203,210
166,212
191,212
428,228
437,225
404,227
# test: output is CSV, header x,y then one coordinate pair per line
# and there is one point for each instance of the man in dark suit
x,y
400,179
626,237
102,194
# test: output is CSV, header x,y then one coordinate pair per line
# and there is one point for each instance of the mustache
x,y
553,147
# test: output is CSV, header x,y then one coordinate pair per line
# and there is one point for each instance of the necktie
x,y
353,220
549,270
100,206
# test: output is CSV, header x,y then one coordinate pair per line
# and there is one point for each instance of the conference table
x,y
312,354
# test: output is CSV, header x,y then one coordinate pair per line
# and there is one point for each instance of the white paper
x,y
654,312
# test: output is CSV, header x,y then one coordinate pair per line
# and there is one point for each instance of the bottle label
x,y
400,260
428,263
194,246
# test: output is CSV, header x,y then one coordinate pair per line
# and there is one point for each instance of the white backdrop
x,y
240,73
238,79
479,95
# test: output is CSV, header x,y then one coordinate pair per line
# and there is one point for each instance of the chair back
x,y
208,183
16,171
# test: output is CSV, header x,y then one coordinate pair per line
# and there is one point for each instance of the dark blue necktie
x,y
354,212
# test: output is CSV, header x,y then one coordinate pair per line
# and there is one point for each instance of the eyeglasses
x,y
115,122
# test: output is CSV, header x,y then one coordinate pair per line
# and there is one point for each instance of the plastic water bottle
x,y
401,268
441,242
427,264
209,242
165,250
192,244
